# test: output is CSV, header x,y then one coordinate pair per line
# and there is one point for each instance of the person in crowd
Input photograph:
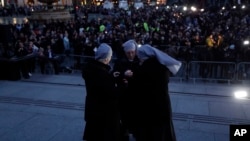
x,y
66,43
153,109
52,58
32,49
67,50
210,42
22,51
124,70
41,60
101,106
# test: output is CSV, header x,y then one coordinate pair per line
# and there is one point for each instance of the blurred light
x,y
232,46
243,7
185,8
234,7
246,42
157,7
202,10
223,8
168,7
193,8
139,45
25,20
240,94
176,6
14,21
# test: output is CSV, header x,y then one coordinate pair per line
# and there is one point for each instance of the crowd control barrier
x,y
209,70
190,71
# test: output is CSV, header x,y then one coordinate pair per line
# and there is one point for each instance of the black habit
x,y
126,91
153,109
101,107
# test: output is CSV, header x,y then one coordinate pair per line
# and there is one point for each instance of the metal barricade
x,y
182,73
243,71
212,71
76,62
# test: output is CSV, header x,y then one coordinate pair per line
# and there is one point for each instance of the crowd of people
x,y
215,34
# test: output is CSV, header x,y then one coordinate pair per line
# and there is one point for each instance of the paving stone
x,y
4,130
246,110
9,106
210,127
226,109
174,103
192,107
39,128
221,137
11,119
181,124
189,135
56,111
72,132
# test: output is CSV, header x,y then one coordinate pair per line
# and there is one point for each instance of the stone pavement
x,y
51,107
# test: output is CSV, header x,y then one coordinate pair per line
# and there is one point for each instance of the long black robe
x,y
126,91
101,107
153,109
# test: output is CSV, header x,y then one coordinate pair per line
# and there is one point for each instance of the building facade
x,y
86,2
32,2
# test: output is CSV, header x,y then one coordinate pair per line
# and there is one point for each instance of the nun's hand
x,y
125,81
128,73
116,74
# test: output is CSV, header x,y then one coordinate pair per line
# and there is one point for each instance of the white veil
x,y
147,51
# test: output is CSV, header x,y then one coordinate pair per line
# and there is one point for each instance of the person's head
x,y
145,52
20,44
129,48
103,53
31,44
48,47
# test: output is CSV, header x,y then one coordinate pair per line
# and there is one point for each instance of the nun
x,y
101,106
124,70
154,112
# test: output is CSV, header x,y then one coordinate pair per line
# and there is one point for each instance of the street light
x,y
241,94
193,8
246,42
184,8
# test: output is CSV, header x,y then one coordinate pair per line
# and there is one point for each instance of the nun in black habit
x,y
153,109
101,106
123,71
